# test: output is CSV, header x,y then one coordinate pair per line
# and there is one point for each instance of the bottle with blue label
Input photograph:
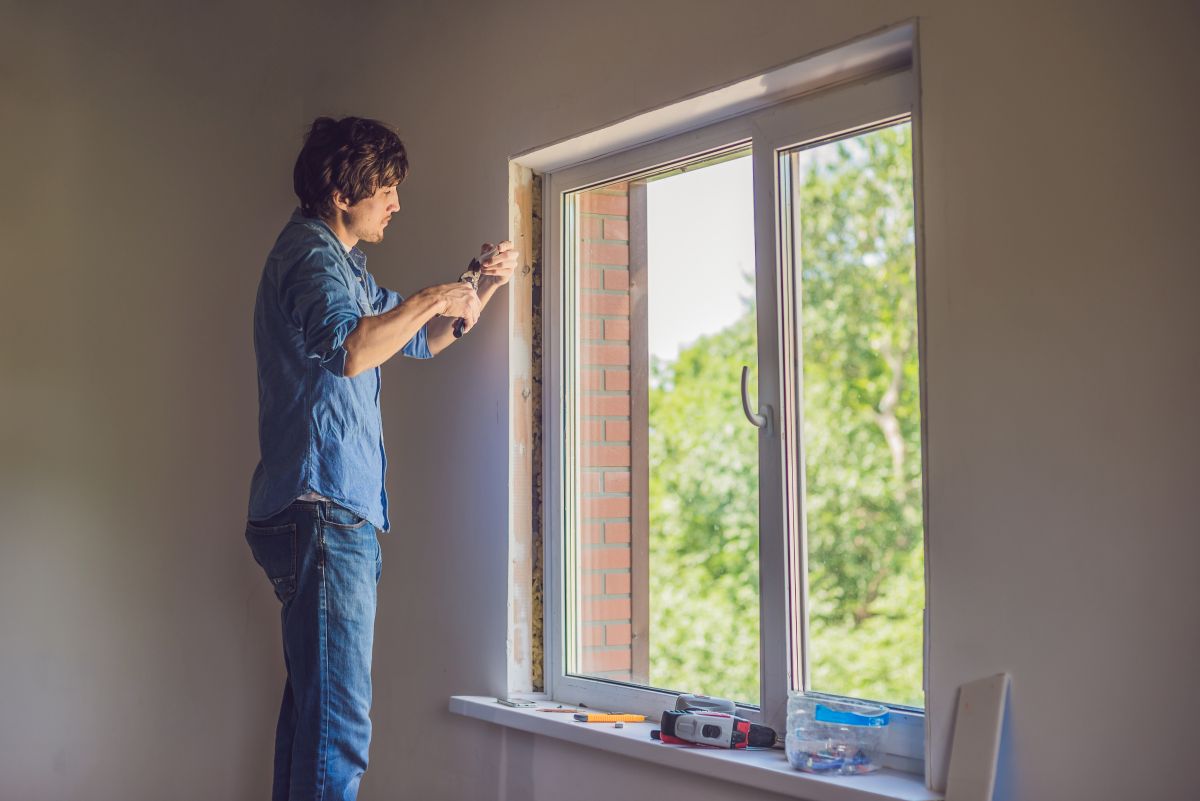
x,y
834,736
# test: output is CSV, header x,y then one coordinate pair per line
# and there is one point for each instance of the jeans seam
x,y
324,624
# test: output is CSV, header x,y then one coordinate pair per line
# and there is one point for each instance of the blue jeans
x,y
324,563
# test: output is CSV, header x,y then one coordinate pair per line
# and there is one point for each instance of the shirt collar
x,y
357,257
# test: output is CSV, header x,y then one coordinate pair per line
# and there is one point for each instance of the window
x,y
709,533
663,553
847,213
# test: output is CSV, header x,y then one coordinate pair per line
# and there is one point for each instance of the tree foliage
x,y
704,522
861,445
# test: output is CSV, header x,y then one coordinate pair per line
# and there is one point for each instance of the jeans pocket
x,y
342,518
274,548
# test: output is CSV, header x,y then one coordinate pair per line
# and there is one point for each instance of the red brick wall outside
x,y
605,622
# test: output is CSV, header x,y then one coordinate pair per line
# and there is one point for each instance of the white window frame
x,y
827,114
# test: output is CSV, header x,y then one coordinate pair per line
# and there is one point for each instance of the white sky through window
x,y
700,249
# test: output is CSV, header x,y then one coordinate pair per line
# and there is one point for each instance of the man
x,y
322,327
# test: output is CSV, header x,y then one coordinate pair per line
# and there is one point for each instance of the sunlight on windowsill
x,y
765,769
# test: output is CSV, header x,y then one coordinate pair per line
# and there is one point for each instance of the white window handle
x,y
756,420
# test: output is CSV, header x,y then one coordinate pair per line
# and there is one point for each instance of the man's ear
x,y
340,202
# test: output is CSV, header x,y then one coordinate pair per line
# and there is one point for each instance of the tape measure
x,y
596,717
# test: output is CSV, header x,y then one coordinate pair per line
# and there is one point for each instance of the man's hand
x,y
494,272
458,300
499,268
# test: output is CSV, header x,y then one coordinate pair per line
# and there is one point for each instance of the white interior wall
x,y
152,152
144,182
1062,347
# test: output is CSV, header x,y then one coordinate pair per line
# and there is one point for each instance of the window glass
x,y
665,473
849,206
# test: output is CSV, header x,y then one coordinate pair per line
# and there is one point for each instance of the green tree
x,y
861,447
862,418
704,521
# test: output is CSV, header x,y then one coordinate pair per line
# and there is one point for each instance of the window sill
x,y
763,770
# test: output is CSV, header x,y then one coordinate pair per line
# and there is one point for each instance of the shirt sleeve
x,y
315,297
417,347
385,299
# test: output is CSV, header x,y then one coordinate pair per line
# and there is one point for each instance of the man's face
x,y
367,218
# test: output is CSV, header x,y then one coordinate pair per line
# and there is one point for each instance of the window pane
x,y
666,474
850,206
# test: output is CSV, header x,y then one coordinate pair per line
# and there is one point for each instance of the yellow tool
x,y
595,717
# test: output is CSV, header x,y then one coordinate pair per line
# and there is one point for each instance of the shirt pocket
x,y
274,548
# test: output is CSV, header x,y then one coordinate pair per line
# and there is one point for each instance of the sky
x,y
700,251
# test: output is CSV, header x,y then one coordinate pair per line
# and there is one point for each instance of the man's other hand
x,y
499,268
460,301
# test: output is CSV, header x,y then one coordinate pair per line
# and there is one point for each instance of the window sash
x,y
781,559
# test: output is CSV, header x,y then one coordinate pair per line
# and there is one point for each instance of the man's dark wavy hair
x,y
351,156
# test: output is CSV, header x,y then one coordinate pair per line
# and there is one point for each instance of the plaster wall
x,y
148,150
1062,348
144,182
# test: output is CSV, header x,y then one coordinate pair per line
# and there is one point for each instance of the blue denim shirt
x,y
318,430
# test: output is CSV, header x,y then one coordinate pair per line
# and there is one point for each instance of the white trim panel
x,y
887,50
